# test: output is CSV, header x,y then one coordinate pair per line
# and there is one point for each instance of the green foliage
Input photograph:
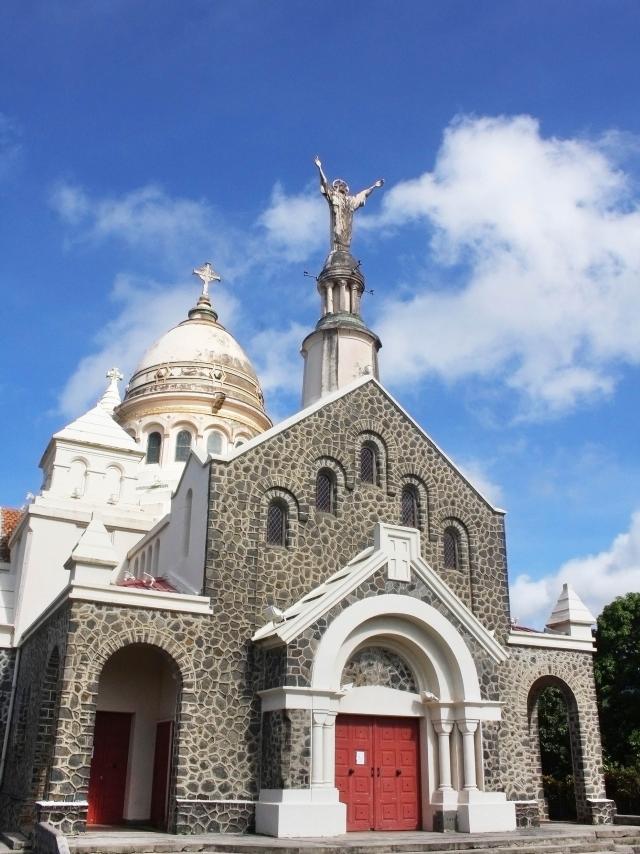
x,y
617,672
560,795
555,748
623,786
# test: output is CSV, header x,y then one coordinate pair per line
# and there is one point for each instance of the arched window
x,y
214,443
410,507
78,478
451,548
277,517
368,463
113,480
154,443
183,446
326,491
188,502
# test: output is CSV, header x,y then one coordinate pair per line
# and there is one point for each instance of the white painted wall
x,y
139,680
180,538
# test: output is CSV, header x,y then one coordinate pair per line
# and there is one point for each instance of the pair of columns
x,y
468,730
348,297
323,753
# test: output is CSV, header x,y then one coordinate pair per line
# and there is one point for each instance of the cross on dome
x,y
206,274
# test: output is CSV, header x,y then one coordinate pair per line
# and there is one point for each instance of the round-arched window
x,y
214,443
154,444
326,491
451,548
410,507
368,463
183,446
277,523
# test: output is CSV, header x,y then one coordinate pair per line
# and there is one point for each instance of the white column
x,y
329,749
468,729
443,730
317,748
343,295
329,298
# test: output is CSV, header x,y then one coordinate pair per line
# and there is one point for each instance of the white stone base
x,y
482,812
300,813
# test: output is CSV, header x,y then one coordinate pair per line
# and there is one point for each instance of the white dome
x,y
197,341
196,367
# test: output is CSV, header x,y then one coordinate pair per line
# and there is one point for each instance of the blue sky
x,y
138,139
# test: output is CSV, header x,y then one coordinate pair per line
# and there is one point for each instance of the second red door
x,y
377,772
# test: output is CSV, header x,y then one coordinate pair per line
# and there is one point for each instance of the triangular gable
x,y
337,395
397,547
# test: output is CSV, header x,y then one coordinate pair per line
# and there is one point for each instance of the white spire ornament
x,y
111,397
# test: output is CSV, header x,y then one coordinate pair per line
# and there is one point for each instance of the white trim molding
x,y
549,640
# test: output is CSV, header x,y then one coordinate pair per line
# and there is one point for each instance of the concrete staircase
x,y
550,839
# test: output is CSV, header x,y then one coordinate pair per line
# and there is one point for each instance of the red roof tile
x,y
9,518
154,584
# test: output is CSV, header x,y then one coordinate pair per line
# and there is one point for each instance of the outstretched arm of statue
x,y
369,190
324,184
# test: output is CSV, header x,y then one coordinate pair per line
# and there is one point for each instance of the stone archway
x,y
134,735
577,755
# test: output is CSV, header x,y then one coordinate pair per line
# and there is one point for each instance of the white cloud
x,y
597,579
545,232
179,231
146,310
295,225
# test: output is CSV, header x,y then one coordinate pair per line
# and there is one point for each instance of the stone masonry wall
x,y
7,664
375,665
286,749
26,748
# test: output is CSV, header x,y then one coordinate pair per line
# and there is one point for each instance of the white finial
x,y
206,274
111,398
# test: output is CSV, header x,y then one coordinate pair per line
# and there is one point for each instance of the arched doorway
x,y
136,709
554,730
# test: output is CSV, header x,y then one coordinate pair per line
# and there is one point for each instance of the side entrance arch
x,y
138,695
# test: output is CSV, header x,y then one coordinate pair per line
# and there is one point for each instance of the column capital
x,y
467,726
442,727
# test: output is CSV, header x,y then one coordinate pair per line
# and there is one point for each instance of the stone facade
x,y
225,749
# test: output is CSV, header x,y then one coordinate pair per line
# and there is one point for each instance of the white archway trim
x,y
399,549
418,625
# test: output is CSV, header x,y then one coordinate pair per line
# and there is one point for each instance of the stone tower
x,y
341,347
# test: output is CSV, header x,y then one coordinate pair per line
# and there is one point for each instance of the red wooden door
x,y
160,784
377,772
354,769
108,778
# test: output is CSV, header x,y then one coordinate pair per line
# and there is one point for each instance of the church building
x,y
213,624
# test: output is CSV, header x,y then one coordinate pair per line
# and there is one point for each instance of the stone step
x,y
14,840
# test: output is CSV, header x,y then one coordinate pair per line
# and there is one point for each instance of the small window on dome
x,y
214,443
183,446
154,443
